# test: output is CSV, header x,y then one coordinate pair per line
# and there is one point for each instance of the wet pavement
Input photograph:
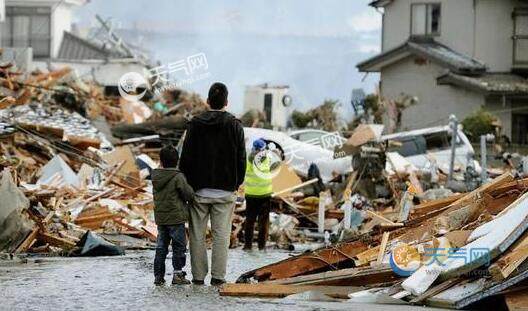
x,y
125,283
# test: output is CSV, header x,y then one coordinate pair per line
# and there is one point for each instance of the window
x,y
28,27
425,19
520,37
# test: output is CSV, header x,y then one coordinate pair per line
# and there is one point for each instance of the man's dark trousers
x,y
166,234
257,208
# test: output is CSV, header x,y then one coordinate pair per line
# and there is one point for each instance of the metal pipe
x,y
483,158
454,128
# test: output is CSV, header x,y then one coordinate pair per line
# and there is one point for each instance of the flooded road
x,y
125,283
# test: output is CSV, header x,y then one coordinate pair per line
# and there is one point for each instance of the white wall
x,y
254,99
494,44
481,29
435,102
61,17
456,23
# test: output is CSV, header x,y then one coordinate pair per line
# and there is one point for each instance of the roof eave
x,y
379,3
450,79
375,63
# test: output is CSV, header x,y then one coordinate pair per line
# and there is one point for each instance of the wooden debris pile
x,y
65,174
69,195
451,252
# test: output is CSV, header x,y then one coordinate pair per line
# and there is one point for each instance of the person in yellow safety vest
x,y
258,190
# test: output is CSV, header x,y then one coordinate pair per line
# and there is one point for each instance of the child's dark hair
x,y
169,157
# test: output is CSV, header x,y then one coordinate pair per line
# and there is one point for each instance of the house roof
x,y
490,83
380,3
427,48
76,48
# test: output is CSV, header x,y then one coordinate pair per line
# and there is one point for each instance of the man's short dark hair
x,y
169,157
217,97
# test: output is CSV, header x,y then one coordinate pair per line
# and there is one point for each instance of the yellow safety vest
x,y
255,185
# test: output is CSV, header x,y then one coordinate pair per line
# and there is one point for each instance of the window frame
x,y
518,38
426,33
30,11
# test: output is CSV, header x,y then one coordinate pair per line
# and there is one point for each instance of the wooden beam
x,y
517,301
306,183
323,259
383,219
383,246
26,244
263,290
344,277
56,241
510,261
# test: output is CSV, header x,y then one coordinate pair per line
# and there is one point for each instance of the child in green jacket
x,y
172,196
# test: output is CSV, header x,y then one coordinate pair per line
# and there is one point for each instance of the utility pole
x,y
454,135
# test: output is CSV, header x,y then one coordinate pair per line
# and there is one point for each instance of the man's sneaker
x,y
198,282
217,282
159,280
179,279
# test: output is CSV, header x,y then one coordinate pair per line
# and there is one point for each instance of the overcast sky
x,y
350,26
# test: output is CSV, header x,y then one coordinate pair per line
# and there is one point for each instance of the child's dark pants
x,y
166,234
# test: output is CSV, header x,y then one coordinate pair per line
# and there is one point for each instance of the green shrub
x,y
300,119
479,123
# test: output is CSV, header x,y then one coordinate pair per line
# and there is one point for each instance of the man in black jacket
x,y
214,163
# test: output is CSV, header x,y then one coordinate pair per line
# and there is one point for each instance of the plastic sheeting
x,y
57,166
14,225
93,245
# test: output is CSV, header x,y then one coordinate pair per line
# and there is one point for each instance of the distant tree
x,y
322,117
479,123
301,119
326,115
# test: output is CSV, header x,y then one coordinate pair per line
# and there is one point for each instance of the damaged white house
x,y
39,34
455,56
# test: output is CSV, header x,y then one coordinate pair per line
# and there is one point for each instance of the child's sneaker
x,y
159,280
178,278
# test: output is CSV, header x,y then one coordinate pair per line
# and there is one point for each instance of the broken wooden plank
x,y
383,219
290,189
344,277
517,301
491,238
435,290
319,260
56,241
510,261
26,244
383,246
263,290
